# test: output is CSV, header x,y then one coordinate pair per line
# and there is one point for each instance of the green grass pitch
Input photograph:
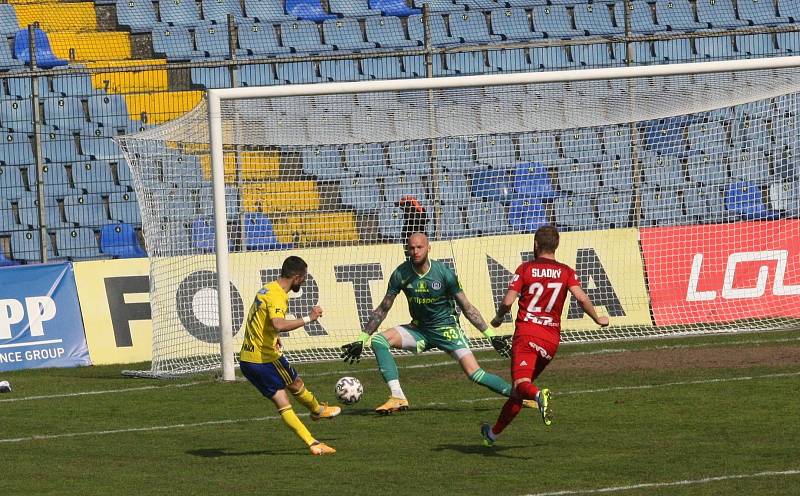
x,y
709,415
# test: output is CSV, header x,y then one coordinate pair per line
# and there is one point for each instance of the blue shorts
x,y
269,378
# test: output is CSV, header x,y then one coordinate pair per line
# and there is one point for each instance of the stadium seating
x,y
387,32
614,208
526,215
576,177
25,246
217,10
453,188
785,197
119,240
554,21
345,34
123,207
642,18
137,15
756,45
12,186
266,11
180,13
45,58
745,200
716,48
719,14
662,207
678,15
28,208
486,217
511,60
365,159
760,12
662,171
409,157
513,25
789,9
396,187
175,42
77,243
575,213
85,210
360,193
596,18
308,10
393,8
493,186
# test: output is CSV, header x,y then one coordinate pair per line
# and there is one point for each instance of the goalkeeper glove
x,y
501,345
351,352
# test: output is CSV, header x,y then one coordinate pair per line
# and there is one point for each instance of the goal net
x,y
677,196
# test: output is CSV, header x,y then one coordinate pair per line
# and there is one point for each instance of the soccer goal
x,y
675,188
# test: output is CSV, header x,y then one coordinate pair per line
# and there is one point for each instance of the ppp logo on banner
x,y
722,273
40,324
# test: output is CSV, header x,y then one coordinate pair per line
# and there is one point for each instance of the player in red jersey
x,y
541,286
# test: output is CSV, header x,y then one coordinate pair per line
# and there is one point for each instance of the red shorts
x,y
530,354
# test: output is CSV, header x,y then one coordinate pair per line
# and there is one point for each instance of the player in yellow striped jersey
x,y
264,365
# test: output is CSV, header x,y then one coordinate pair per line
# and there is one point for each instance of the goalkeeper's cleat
x,y
544,406
326,412
319,448
486,433
392,405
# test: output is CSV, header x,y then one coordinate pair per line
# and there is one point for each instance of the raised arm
x,y
586,304
284,325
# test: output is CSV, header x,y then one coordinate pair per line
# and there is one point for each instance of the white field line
x,y
651,485
603,351
476,400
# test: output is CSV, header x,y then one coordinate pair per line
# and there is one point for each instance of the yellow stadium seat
x,y
316,227
163,106
108,45
53,17
230,166
150,79
260,165
280,196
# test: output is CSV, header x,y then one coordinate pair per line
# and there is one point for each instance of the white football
x,y
349,390
5,387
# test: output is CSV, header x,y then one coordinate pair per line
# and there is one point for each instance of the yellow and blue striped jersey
x,y
261,338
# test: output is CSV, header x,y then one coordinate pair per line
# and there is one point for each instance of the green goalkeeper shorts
x,y
447,338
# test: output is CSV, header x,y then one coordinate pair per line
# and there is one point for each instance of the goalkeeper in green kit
x,y
432,290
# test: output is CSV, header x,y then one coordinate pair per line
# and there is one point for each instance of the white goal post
x,y
660,156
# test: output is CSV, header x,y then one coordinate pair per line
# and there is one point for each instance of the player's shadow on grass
x,y
221,452
473,449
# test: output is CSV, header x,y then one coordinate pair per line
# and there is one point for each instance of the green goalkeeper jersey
x,y
430,296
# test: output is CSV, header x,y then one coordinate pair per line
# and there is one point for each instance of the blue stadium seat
x,y
387,32
580,143
415,65
259,235
537,147
298,73
345,34
257,75
756,45
642,53
56,180
303,36
790,9
308,10
397,8
110,111
616,174
211,77
59,146
383,68
124,174
16,114
744,200
453,188
64,113
45,58
576,176
137,15
213,40
451,221
15,149
77,243
79,85
95,177
664,136
396,187
324,162
7,220
486,217
480,5
120,241
497,150
8,20
678,15
642,18
788,42
410,157
471,27
97,143
266,11
513,24
760,13
352,8
617,142
492,185
750,165
180,12
596,55
511,60
218,10
596,18
719,14
12,186
365,159
20,88
526,215
7,60
25,245
28,208
551,58
677,50
123,207
574,213
554,21
467,63
360,193
173,240
175,42
785,197
390,222
715,48
232,202
662,207
532,180
708,137
203,235
439,6
706,205
614,208
454,154
184,172
661,170
438,30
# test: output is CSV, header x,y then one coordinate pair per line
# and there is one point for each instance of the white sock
x,y
397,391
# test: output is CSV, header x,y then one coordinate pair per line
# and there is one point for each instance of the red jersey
x,y
542,285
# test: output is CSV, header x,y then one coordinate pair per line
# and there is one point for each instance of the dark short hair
x,y
546,239
293,266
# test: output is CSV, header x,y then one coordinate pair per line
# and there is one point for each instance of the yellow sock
x,y
308,400
294,423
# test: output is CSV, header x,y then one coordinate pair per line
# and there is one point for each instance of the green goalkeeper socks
x,y
491,381
385,359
